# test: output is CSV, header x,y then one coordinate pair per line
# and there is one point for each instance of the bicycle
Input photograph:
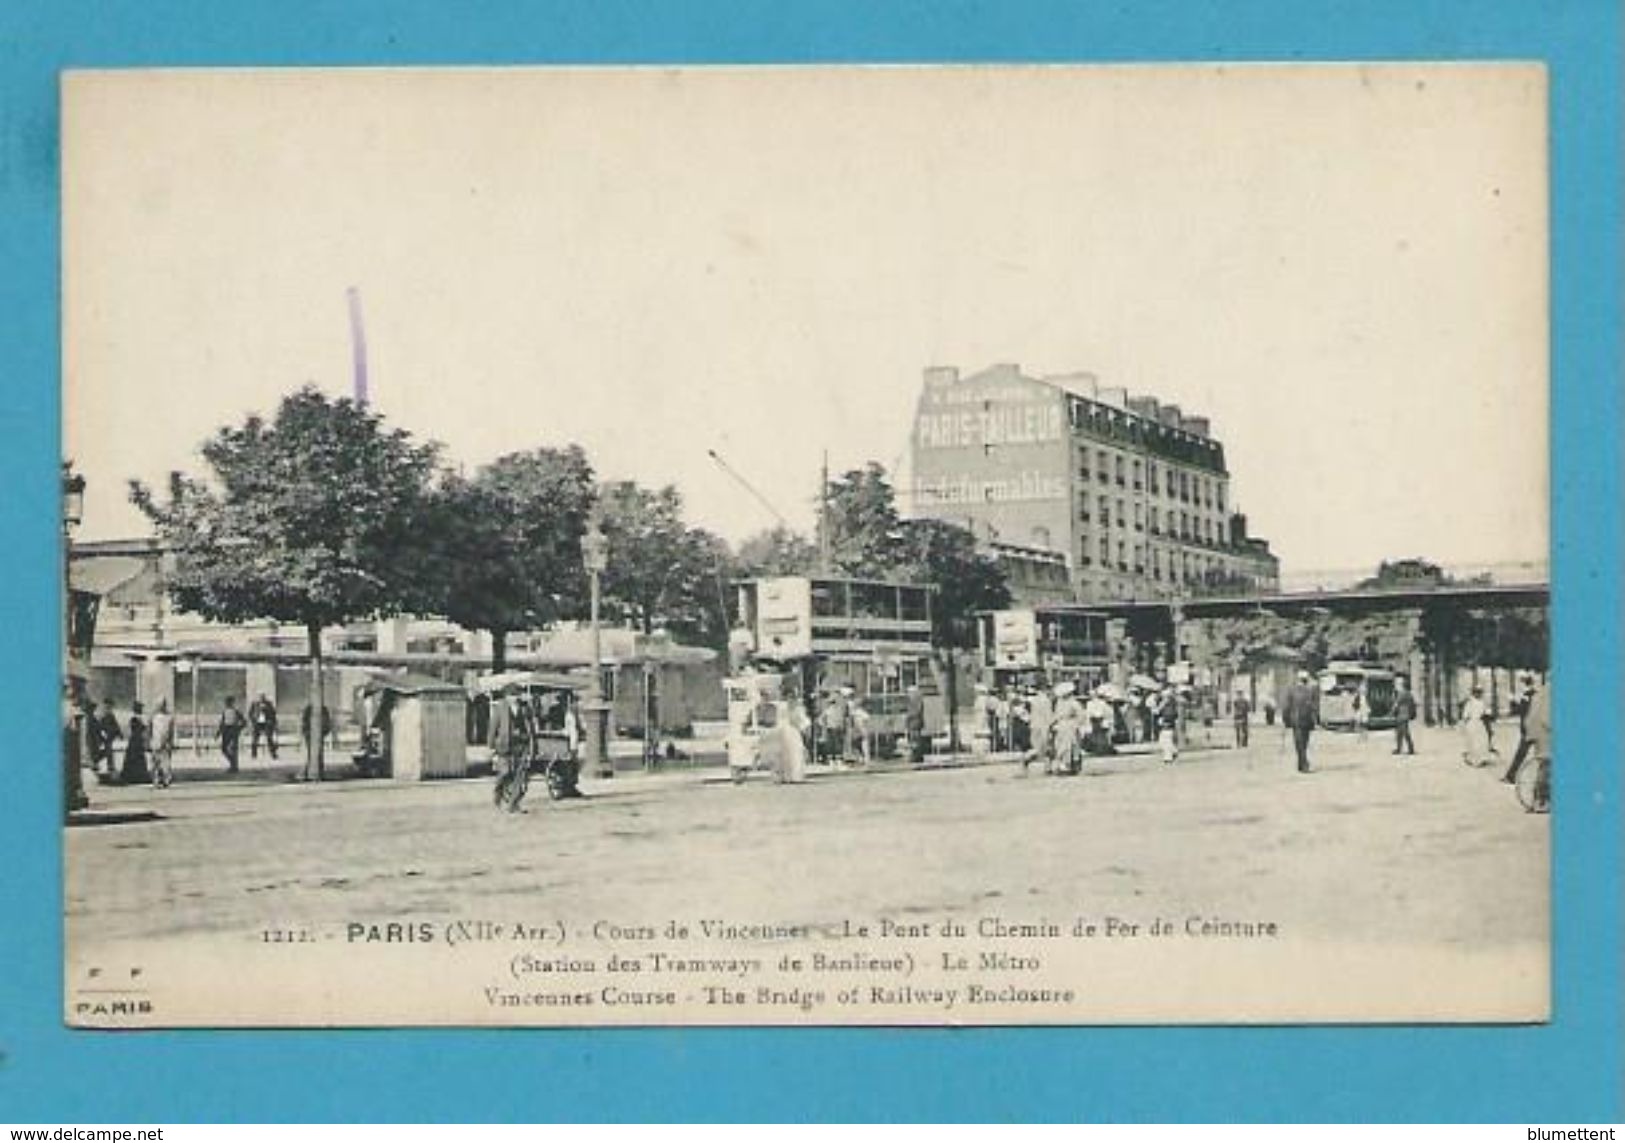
x,y
1534,785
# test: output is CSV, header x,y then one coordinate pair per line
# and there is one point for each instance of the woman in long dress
x,y
793,743
1475,734
1069,726
135,751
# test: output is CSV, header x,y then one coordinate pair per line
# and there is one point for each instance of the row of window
x,y
1185,526
1115,425
1206,492
1174,565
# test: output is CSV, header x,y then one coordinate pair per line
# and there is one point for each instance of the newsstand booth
x,y
412,728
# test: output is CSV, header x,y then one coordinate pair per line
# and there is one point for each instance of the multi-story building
x,y
1133,493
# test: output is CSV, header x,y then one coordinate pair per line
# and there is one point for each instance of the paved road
x,y
1409,850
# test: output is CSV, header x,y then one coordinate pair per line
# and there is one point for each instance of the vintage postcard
x,y
829,545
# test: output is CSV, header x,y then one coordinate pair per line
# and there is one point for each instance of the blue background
x,y
1570,1070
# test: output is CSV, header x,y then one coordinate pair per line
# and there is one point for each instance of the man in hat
x,y
510,751
229,732
105,731
1301,714
1240,713
914,725
163,745
262,724
1521,704
1404,715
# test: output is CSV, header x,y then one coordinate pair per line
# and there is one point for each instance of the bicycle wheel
x,y
1534,786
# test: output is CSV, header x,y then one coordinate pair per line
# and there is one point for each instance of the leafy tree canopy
x,y
777,551
503,550
662,572
865,531
870,539
310,518
966,581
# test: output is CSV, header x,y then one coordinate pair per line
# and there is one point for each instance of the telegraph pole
x,y
824,539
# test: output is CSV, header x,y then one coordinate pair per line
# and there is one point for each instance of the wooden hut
x,y
421,725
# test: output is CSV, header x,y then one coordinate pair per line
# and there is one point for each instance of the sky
x,y
1344,267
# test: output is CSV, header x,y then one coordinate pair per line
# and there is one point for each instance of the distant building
x,y
1034,575
146,650
1133,495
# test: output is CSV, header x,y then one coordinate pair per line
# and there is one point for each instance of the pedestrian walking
x,y
262,724
1269,710
1101,718
163,746
1362,712
981,721
1070,723
1241,713
832,727
1404,715
510,752
229,732
105,732
914,725
73,750
134,771
1021,730
792,752
1167,716
860,729
1300,714
1475,736
1041,726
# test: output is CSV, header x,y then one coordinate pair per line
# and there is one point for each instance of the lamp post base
x,y
598,759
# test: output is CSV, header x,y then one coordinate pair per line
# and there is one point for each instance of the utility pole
x,y
824,539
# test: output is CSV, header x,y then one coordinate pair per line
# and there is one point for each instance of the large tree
x,y
661,573
964,582
865,533
504,548
868,538
311,518
777,551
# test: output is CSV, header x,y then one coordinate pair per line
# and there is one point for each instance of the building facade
x,y
1133,493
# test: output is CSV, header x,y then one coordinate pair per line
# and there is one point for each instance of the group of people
x,y
1300,716
1533,707
843,726
93,732
1058,726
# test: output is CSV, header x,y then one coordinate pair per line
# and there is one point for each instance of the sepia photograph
x,y
837,545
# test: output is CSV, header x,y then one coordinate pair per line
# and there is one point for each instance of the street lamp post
x,y
73,511
595,555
